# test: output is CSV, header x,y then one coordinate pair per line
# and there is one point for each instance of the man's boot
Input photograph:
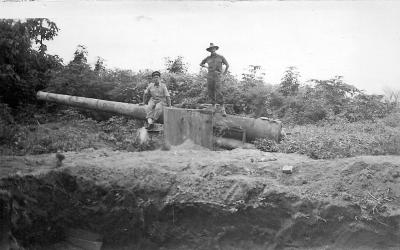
x,y
149,123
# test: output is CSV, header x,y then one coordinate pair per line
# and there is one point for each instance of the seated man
x,y
159,97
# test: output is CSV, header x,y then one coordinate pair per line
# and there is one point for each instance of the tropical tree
x,y
99,65
253,77
78,78
392,97
80,55
290,82
25,67
334,93
176,65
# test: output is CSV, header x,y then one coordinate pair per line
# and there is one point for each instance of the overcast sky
x,y
359,40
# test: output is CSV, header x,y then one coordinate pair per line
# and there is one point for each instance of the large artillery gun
x,y
232,127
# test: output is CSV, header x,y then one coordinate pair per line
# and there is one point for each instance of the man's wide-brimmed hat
x,y
212,46
156,73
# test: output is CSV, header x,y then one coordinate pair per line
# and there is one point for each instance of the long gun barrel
x,y
252,128
122,108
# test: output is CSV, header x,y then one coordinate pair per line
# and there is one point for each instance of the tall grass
x,y
72,132
340,139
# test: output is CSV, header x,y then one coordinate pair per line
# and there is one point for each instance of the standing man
x,y
214,65
159,97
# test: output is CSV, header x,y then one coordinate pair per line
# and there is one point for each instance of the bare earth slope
x,y
193,198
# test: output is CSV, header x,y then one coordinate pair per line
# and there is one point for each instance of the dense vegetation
x,y
323,118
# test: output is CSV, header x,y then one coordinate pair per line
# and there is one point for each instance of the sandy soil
x,y
193,198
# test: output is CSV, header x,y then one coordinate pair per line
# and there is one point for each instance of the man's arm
x,y
166,93
146,95
203,62
224,61
168,101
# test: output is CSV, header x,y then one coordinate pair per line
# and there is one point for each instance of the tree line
x,y
26,67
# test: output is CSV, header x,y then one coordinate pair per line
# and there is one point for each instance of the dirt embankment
x,y
191,198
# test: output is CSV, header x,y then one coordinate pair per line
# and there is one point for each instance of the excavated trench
x,y
192,205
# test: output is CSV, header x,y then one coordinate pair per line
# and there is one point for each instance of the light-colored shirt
x,y
214,62
158,93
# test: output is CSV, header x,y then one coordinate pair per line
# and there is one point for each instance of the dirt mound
x,y
186,198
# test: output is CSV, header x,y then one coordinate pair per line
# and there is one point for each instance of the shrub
x,y
186,89
392,120
266,145
119,131
54,137
7,124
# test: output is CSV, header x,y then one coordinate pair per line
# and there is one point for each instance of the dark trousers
x,y
214,87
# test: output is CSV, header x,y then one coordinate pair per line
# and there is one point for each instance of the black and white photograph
x,y
204,125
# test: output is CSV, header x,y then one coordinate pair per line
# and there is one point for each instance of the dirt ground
x,y
192,198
